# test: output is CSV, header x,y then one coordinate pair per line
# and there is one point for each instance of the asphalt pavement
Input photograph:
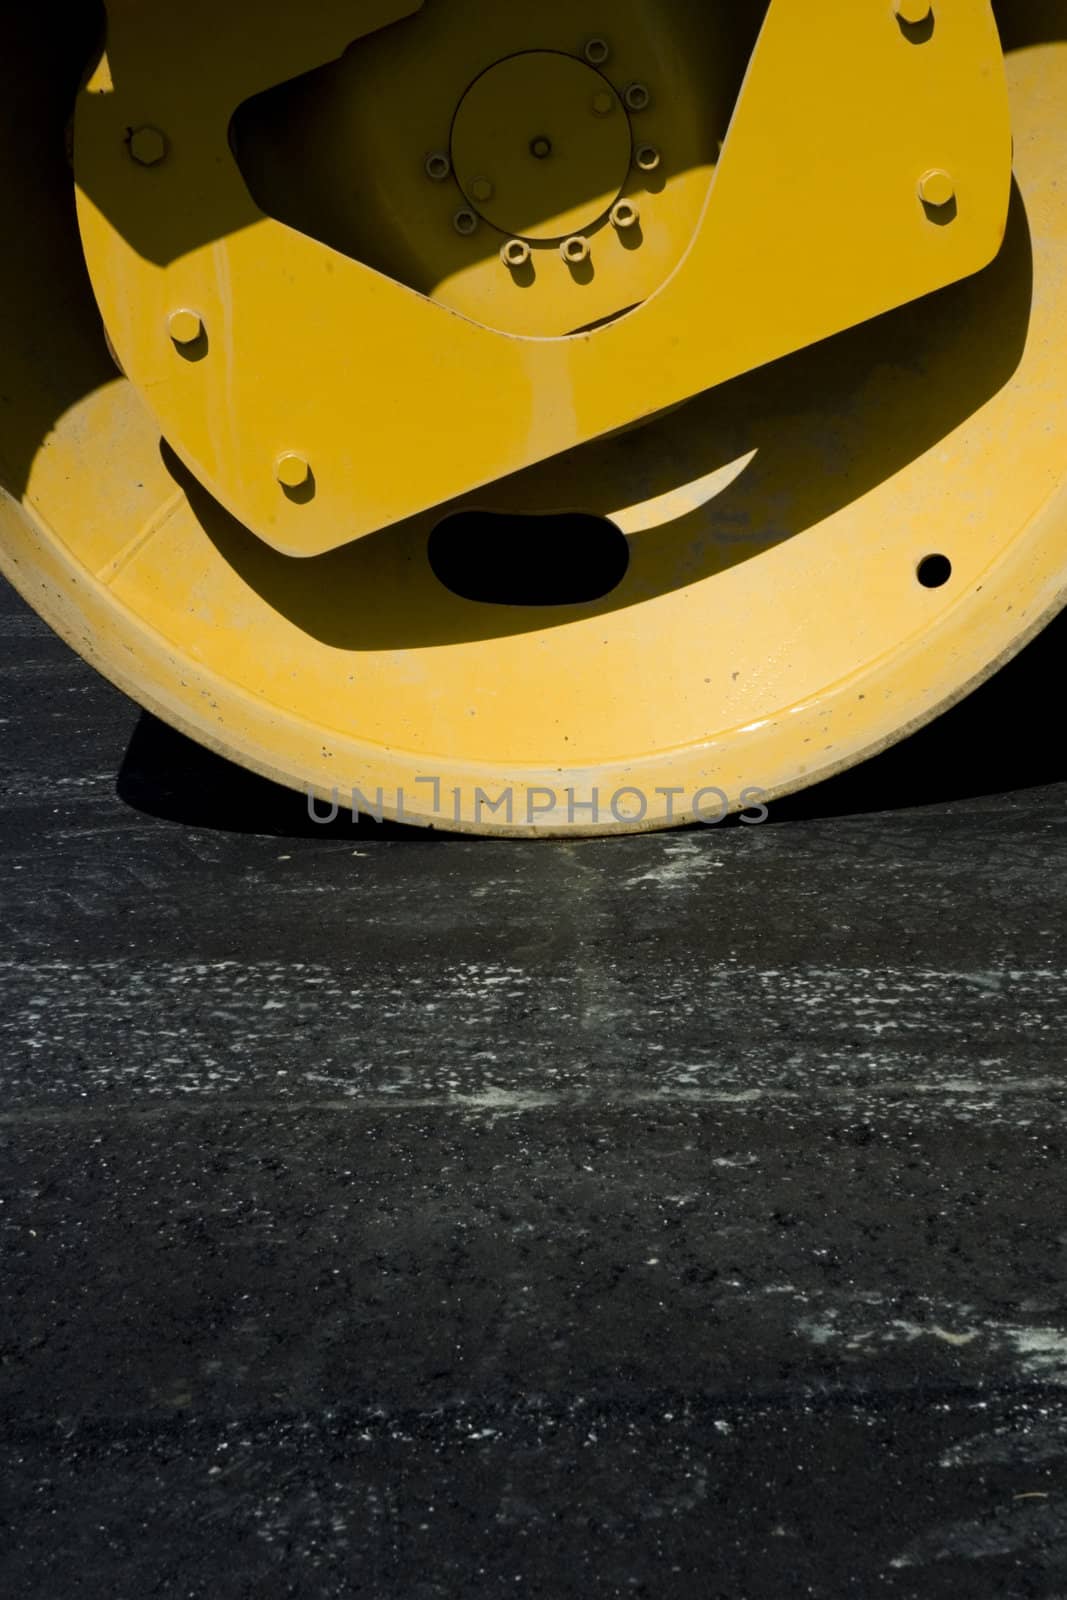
x,y
406,1216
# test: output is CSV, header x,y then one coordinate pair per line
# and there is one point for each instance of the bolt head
x,y
637,97
936,188
482,189
516,253
913,12
292,470
648,158
603,103
465,222
148,146
597,52
186,327
438,166
541,148
625,215
575,250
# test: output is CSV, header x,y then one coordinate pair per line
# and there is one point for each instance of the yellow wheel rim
x,y
823,554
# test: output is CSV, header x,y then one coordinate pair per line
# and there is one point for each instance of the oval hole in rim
x,y
501,559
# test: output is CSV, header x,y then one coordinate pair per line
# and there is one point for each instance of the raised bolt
x,y
516,253
541,148
292,471
936,188
913,12
575,250
603,103
637,97
148,146
465,222
438,166
648,158
625,214
597,52
482,189
186,327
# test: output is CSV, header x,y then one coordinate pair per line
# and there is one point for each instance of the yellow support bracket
x,y
868,164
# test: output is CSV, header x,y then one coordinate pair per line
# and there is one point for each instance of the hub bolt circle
x,y
438,166
597,52
465,222
637,97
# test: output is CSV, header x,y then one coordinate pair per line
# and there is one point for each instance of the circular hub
x,y
541,145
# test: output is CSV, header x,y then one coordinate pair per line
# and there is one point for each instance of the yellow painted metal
x,y
770,629
803,235
292,470
185,326
148,146
937,188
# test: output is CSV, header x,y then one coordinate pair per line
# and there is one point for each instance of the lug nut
x,y
913,13
438,166
637,97
603,103
186,327
936,189
148,146
482,189
575,250
648,158
465,222
292,470
625,214
516,253
597,52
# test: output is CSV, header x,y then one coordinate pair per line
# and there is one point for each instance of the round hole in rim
x,y
500,559
933,572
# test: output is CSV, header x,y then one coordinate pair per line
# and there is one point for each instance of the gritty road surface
x,y
414,1217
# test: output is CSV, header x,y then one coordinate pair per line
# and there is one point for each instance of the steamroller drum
x,y
567,419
